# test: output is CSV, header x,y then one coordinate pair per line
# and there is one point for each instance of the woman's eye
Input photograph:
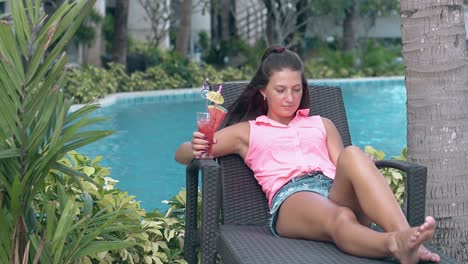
x,y
280,91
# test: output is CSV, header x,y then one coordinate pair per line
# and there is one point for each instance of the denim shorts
x,y
314,182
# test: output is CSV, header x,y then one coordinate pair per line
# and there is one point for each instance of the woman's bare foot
x,y
425,255
406,245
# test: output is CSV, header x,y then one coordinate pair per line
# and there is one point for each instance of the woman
x,y
316,188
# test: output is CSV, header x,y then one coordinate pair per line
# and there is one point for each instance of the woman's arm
x,y
334,142
185,153
230,140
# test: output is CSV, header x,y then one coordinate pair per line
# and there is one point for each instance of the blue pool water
x,y
149,130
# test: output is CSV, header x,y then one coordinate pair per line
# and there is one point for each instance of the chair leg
x,y
210,213
191,216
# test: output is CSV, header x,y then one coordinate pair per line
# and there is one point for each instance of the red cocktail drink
x,y
208,123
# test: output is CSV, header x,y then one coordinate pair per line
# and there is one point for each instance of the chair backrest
x,y
243,201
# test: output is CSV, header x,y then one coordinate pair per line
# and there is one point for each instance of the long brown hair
x,y
251,103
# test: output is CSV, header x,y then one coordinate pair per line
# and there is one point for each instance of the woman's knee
x,y
350,154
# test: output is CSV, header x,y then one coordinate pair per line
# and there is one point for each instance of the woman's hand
x,y
200,144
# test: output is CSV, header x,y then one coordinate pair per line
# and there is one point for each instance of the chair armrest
x,y
416,178
211,193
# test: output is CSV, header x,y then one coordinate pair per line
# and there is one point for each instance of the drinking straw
x,y
220,88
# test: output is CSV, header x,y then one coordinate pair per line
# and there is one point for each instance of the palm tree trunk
x,y
301,24
433,38
349,28
183,34
119,42
228,19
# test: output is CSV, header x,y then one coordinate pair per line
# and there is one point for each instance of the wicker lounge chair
x,y
235,210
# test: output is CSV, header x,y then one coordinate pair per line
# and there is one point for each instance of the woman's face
x,y
283,94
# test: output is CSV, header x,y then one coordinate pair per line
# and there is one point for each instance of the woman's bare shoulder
x,y
327,122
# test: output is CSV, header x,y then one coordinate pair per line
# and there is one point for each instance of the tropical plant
x,y
156,237
36,131
395,178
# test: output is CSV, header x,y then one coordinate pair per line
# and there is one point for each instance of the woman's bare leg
x,y
359,185
308,215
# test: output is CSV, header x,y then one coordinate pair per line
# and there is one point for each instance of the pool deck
x,y
191,93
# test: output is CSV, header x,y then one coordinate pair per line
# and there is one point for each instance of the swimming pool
x,y
151,125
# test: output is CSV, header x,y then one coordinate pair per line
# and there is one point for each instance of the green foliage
x,y
373,60
236,51
381,61
203,40
151,238
333,64
89,83
395,178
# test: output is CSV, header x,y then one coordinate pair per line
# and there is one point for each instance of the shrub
x,y
156,237
374,60
394,177
89,83
380,61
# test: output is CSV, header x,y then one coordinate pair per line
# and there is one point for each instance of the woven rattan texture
x,y
256,245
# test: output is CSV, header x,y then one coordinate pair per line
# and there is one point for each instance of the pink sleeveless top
x,y
277,153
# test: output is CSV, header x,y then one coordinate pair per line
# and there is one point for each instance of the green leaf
x,y
86,141
67,35
71,172
389,179
379,155
87,204
89,170
9,153
397,175
51,219
96,160
99,246
21,24
401,189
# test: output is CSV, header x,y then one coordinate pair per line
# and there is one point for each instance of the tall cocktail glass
x,y
208,123
203,123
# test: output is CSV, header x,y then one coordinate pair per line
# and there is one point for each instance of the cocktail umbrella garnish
x,y
216,97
